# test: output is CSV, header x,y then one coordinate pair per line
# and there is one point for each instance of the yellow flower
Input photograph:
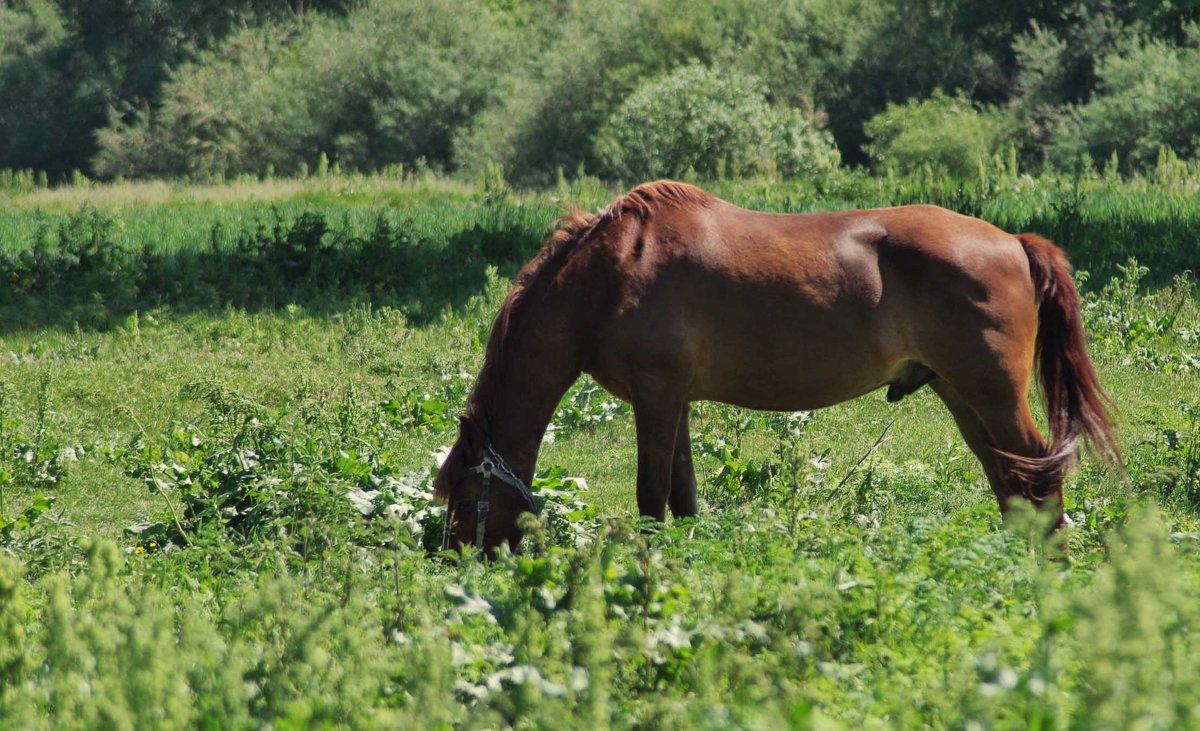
x,y
139,549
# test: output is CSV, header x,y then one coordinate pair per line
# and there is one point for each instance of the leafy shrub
x,y
80,256
242,479
587,405
948,133
1169,462
435,409
369,91
84,268
1133,636
798,146
587,59
32,464
247,477
1057,72
208,122
736,477
708,123
558,94
1148,98
107,655
1156,331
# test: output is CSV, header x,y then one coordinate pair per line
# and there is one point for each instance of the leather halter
x,y
492,465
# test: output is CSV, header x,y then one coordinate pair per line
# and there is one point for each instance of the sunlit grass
x,y
356,189
805,595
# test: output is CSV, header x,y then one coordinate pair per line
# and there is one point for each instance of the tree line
x,y
625,89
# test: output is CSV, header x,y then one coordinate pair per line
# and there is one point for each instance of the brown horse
x,y
671,295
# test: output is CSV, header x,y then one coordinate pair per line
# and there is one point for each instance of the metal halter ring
x,y
491,464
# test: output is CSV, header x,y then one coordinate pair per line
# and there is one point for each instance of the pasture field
x,y
219,410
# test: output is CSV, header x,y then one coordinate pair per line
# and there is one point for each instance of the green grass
x,y
890,599
110,387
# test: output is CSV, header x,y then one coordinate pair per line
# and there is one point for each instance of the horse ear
x,y
470,433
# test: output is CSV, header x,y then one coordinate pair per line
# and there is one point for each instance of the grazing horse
x,y
671,295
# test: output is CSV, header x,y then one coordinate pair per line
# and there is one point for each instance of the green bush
x,y
368,91
258,481
584,60
1056,71
948,133
714,124
110,653
561,88
1133,636
227,112
67,67
1148,98
86,268
798,146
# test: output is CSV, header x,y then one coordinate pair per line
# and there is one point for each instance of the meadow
x,y
220,409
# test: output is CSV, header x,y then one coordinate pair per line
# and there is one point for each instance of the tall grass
x,y
112,250
921,622
94,267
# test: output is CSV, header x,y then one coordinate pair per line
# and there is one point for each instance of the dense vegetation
x,y
143,88
219,410
221,407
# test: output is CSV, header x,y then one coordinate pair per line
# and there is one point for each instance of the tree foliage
x,y
390,84
1149,99
168,87
81,61
948,133
710,123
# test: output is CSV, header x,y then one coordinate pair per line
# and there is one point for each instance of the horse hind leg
x,y
977,439
1003,435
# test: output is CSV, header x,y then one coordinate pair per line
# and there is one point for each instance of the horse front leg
x,y
683,474
657,417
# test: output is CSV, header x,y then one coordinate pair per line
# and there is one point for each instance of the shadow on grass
x,y
74,270
77,275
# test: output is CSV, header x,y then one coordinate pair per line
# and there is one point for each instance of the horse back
x,y
832,304
851,258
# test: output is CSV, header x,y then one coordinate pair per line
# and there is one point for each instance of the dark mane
x,y
574,229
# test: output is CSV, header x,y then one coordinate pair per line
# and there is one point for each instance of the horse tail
x,y
1076,404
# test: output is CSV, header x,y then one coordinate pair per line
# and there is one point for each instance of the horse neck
x,y
536,375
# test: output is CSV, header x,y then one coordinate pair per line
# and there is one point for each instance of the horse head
x,y
483,494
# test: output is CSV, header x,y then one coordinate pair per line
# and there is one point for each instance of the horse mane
x,y
573,229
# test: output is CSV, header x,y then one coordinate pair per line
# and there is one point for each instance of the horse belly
x,y
791,384
804,359
801,330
